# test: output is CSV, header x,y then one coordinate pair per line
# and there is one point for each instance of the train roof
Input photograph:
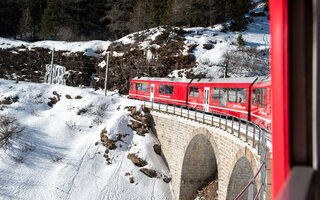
x,y
179,80
225,80
208,80
263,79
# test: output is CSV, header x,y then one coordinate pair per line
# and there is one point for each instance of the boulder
x,y
149,172
136,160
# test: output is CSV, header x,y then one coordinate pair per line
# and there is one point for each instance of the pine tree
x,y
50,19
9,17
159,12
240,8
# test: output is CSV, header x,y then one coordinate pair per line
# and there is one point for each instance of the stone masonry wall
x,y
175,134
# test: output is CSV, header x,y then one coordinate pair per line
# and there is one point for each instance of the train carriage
x,y
261,102
246,98
164,90
228,96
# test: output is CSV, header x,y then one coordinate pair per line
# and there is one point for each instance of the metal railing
x,y
238,127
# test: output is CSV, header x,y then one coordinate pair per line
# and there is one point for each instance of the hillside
x,y
75,20
157,52
75,147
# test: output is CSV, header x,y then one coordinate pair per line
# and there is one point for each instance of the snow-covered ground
x,y
59,154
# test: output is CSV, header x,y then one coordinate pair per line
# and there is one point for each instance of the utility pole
x,y
106,79
51,74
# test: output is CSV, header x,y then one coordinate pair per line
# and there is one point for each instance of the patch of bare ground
x,y
208,191
110,144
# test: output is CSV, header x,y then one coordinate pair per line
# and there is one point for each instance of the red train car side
x,y
164,90
246,98
261,102
228,96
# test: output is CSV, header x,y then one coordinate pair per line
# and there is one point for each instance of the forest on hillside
x,y
75,20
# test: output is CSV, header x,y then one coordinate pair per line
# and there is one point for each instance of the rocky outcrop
x,y
149,172
136,160
141,122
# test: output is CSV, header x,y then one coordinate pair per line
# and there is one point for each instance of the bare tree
x,y
246,61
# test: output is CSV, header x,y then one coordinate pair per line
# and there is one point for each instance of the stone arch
x,y
199,163
242,170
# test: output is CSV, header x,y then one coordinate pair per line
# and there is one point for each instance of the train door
x,y
206,99
223,97
152,92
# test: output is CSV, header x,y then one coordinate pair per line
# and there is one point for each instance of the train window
x,y
256,97
216,94
264,97
259,97
223,97
142,87
166,89
131,86
241,95
194,92
232,94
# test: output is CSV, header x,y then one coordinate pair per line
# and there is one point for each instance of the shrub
x,y
8,127
241,41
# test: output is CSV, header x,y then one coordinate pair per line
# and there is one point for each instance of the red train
x,y
246,98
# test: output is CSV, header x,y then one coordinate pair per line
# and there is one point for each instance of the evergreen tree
x,y
50,19
9,17
159,12
241,7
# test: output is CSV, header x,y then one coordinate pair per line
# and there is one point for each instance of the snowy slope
x,y
56,156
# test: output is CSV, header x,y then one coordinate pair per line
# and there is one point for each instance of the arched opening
x,y
199,165
241,174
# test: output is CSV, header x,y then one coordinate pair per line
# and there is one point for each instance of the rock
x,y
127,174
135,124
257,14
15,99
96,143
149,172
6,101
78,97
52,101
136,160
141,131
135,113
68,96
131,108
57,95
82,111
109,143
167,179
145,109
147,119
131,180
157,149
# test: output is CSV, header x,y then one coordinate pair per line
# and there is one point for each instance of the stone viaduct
x,y
195,152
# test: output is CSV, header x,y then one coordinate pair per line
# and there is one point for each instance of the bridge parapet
x,y
198,146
